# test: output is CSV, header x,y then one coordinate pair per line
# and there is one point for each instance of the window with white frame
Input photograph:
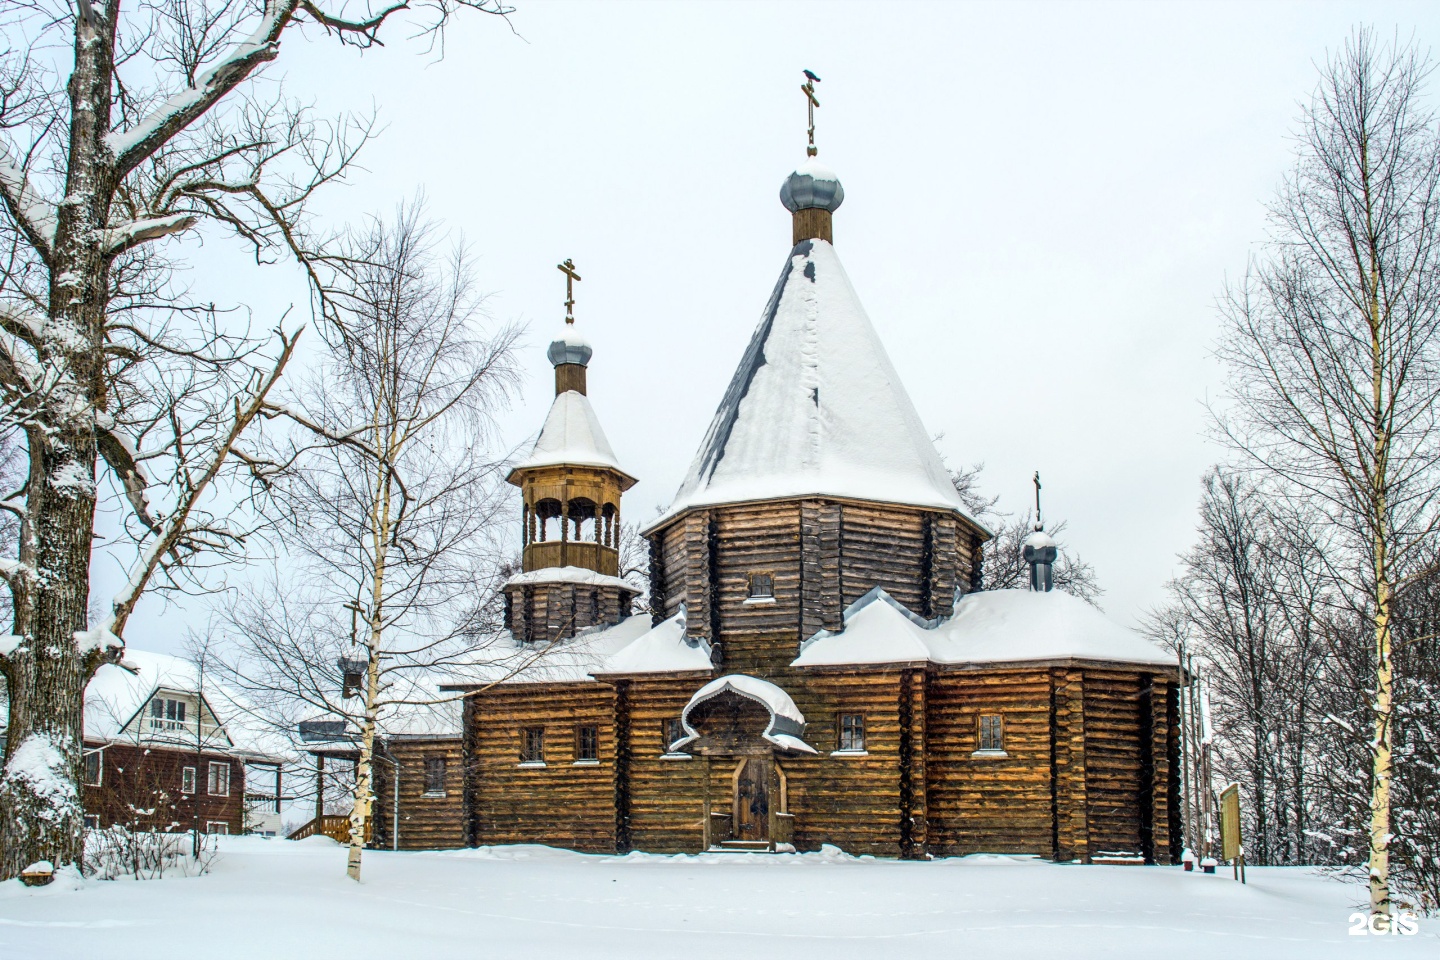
x,y
219,780
94,767
187,780
217,826
92,822
167,714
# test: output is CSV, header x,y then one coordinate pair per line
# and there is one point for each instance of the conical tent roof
x,y
572,435
815,408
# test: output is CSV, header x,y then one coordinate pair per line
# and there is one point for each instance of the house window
x,y
992,733
587,743
93,768
187,780
219,779
167,714
673,731
532,745
92,822
852,731
217,826
762,586
434,776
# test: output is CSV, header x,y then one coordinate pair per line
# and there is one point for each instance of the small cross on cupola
x,y
1040,550
812,193
569,352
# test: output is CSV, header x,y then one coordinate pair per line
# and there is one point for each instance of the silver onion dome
x,y
569,347
812,186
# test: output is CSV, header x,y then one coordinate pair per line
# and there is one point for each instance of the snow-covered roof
x,y
787,723
115,697
572,435
566,661
994,626
569,575
815,407
662,649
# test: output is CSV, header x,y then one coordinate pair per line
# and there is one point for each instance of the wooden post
x,y
319,790
705,827
772,795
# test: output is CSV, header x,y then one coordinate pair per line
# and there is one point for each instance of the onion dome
x,y
1040,551
569,347
813,186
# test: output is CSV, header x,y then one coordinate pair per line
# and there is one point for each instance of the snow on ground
x,y
278,899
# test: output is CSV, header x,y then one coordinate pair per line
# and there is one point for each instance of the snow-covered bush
x,y
117,851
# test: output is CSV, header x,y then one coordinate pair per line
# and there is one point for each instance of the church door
x,y
752,801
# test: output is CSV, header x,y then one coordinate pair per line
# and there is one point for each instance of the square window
x,y
435,776
187,780
532,745
852,731
587,743
93,768
672,731
220,827
992,733
219,779
762,586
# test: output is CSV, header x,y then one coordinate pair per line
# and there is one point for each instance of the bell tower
x,y
570,489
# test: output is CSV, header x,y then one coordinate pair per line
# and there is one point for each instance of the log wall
x,y
563,803
1114,761
427,821
987,804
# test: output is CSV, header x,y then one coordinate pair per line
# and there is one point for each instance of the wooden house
x,y
820,662
169,750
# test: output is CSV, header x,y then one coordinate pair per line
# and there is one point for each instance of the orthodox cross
x,y
1037,499
808,88
568,268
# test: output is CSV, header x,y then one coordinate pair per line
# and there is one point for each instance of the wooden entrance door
x,y
752,801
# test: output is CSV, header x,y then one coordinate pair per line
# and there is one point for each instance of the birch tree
x,y
396,515
122,126
1333,357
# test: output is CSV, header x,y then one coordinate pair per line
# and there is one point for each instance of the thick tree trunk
x,y
40,801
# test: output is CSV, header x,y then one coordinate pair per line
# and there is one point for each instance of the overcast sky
x,y
1042,203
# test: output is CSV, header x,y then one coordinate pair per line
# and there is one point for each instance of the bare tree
x,y
1333,356
121,126
1003,566
395,514
1246,603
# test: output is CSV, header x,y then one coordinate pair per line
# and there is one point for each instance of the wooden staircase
x,y
336,827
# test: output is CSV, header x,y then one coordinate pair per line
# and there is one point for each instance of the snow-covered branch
x,y
131,147
126,463
122,238
35,216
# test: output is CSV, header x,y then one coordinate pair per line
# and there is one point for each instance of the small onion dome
x,y
812,186
1039,540
569,347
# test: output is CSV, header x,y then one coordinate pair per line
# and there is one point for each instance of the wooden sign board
x,y
1230,822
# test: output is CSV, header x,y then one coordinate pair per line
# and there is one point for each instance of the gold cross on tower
x,y
568,268
808,88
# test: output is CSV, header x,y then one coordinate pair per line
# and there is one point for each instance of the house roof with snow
x,y
989,628
572,436
116,701
815,407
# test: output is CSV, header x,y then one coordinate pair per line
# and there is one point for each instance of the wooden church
x,y
820,662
